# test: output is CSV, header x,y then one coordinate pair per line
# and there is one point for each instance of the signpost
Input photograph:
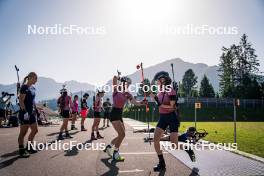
x,y
197,106
236,104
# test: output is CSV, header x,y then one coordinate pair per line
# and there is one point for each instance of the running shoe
x,y
74,128
31,150
108,149
93,137
99,136
117,156
23,153
159,167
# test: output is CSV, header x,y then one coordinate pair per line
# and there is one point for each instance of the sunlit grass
x,y
250,135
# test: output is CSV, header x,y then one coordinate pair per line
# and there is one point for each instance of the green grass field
x,y
250,135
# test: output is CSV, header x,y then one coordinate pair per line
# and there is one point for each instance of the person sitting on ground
x,y
185,137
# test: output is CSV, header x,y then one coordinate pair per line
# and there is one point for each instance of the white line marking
x,y
139,153
130,171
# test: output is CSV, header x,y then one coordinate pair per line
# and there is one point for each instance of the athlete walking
x,y
26,114
64,104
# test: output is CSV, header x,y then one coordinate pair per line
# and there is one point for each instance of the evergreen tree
x,y
238,69
262,90
194,93
181,92
188,82
227,72
206,89
217,95
246,67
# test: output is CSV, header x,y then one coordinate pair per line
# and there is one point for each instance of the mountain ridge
x,y
48,88
180,66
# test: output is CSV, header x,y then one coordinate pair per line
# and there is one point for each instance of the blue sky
x,y
132,35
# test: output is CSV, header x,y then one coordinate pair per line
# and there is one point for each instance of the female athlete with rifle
x,y
168,117
120,97
26,114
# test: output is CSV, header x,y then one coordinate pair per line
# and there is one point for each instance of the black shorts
x,y
31,120
2,113
170,120
97,114
116,114
65,114
106,115
75,113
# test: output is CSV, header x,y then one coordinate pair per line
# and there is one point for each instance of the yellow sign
x,y
198,105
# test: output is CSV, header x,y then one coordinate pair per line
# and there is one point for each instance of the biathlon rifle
x,y
199,134
119,76
18,84
118,73
140,66
94,101
175,87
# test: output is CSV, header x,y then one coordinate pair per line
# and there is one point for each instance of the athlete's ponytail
x,y
30,75
25,79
